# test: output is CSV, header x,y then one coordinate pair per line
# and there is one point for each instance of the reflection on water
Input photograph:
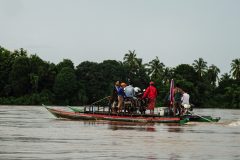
x,y
131,126
30,132
175,128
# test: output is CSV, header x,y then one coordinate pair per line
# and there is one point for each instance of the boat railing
x,y
106,105
102,105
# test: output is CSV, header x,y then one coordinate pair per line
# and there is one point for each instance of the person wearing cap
x,y
123,85
151,94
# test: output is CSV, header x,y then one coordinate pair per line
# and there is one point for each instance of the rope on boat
x,y
90,107
100,100
99,103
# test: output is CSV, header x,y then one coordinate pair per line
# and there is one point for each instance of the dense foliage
x,y
29,80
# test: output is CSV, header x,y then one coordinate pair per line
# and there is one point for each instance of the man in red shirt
x,y
151,94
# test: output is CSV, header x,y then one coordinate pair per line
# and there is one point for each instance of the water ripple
x,y
32,133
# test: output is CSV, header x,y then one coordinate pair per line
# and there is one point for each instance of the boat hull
x,y
114,117
196,118
190,117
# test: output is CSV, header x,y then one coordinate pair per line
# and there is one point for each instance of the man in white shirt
x,y
185,101
185,98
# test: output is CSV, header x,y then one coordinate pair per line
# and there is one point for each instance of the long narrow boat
x,y
192,117
73,115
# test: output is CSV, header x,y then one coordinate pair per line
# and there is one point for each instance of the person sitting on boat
x,y
129,91
130,99
137,91
151,94
177,100
185,101
139,102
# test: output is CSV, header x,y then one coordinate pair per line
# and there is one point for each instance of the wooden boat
x,y
102,110
86,115
100,113
192,117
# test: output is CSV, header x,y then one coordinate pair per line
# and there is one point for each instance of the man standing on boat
x,y
185,101
151,94
120,94
177,100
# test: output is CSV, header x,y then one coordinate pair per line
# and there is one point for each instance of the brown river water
x,y
32,133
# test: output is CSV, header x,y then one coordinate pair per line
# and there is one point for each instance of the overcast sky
x,y
177,31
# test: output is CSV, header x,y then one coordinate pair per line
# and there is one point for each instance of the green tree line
x,y
26,79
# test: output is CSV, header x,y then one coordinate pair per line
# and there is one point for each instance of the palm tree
x,y
156,69
213,72
225,77
20,52
132,63
131,59
235,70
200,67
